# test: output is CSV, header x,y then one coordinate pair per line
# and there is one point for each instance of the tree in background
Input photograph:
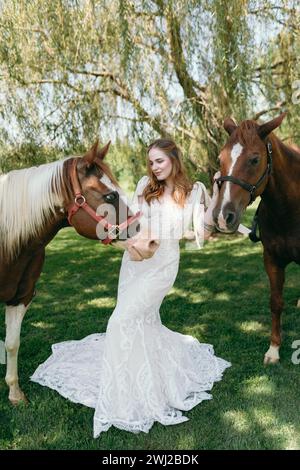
x,y
134,70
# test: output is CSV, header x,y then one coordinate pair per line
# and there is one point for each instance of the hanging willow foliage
x,y
133,70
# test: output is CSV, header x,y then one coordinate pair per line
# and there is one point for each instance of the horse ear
x,y
91,155
229,125
267,127
102,152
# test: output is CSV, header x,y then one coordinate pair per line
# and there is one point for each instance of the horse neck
x,y
282,188
59,219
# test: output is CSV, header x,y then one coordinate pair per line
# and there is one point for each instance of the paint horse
x,y
35,204
254,162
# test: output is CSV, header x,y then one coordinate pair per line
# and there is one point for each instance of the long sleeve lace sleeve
x,y
201,203
136,201
195,212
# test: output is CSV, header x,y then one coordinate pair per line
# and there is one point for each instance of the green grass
x,y
221,296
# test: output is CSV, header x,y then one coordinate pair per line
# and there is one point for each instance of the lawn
x,y
221,296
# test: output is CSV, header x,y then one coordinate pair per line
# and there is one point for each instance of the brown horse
x,y
254,162
35,204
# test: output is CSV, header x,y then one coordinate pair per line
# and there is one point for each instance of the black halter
x,y
251,188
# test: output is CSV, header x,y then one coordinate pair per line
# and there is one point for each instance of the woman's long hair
x,y
182,184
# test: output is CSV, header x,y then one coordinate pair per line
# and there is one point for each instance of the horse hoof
x,y
298,304
17,401
270,360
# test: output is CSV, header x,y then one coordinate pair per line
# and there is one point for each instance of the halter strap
x,y
251,188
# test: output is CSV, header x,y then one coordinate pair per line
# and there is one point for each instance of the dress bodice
x,y
166,219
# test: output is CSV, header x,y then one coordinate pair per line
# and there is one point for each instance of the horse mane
x,y
292,150
27,198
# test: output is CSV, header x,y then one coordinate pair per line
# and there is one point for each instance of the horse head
x,y
98,209
245,164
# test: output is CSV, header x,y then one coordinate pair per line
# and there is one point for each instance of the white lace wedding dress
x,y
139,371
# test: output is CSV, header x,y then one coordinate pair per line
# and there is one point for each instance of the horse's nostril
x,y
230,218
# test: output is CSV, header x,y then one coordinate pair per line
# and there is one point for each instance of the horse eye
x,y
111,197
254,161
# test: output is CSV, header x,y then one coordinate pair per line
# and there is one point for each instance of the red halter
x,y
80,203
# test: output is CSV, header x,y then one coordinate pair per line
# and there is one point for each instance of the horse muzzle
x,y
227,220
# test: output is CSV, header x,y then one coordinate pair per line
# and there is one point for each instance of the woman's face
x,y
160,163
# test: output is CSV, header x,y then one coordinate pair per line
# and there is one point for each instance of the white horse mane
x,y
27,198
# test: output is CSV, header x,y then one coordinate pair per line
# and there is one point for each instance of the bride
x,y
139,371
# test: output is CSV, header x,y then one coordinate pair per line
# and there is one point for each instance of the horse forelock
x,y
107,172
27,198
246,133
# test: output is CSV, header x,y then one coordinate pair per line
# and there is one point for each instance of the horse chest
x,y
10,276
284,247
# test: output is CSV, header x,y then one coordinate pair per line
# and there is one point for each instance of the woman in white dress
x,y
139,371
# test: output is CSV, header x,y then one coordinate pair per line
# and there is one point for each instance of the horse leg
x,y
276,276
13,319
14,315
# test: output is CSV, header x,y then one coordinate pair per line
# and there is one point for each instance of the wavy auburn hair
x,y
182,184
